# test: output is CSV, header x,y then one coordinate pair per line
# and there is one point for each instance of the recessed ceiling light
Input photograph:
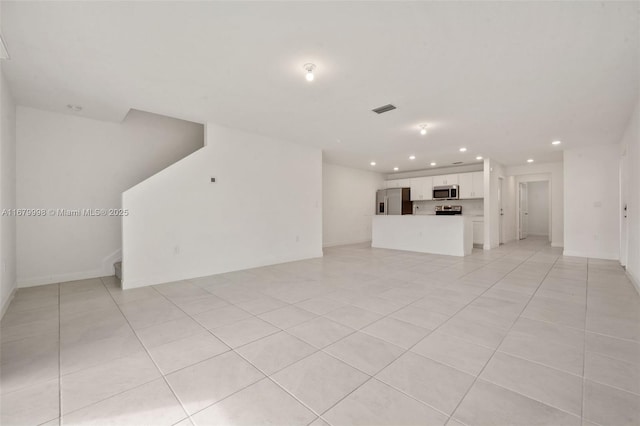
x,y
412,157
423,129
395,169
433,164
556,142
479,157
74,108
530,160
463,149
309,68
373,163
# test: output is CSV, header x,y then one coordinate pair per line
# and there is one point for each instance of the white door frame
x,y
539,177
501,210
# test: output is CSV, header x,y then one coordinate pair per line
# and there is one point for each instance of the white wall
x,y
7,195
70,162
538,204
591,200
493,171
554,173
348,204
265,208
630,145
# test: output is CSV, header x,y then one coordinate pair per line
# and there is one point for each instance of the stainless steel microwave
x,y
448,192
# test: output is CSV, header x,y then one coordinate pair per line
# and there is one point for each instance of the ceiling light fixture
x,y
433,164
479,157
310,68
556,142
412,157
423,129
463,149
530,160
395,169
74,108
373,163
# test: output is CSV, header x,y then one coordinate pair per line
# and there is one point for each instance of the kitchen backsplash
x,y
471,207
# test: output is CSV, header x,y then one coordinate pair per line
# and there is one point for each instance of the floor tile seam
x,y
583,400
503,338
402,354
150,357
613,358
589,379
146,382
579,416
60,358
539,363
413,397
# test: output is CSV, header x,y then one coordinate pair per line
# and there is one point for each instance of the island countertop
x,y
425,233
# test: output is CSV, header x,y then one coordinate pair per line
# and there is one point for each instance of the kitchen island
x,y
450,235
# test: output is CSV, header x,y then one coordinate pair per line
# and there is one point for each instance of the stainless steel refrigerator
x,y
393,201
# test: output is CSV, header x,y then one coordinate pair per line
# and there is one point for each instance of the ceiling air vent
x,y
383,108
457,162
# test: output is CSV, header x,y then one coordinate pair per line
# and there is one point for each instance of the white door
x,y
524,211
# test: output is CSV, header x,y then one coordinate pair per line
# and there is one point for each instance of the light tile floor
x,y
519,335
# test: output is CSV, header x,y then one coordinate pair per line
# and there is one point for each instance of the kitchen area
x,y
440,214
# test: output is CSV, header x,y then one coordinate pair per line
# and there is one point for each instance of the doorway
x,y
534,210
523,210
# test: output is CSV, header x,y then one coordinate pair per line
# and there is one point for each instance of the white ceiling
x,y
503,79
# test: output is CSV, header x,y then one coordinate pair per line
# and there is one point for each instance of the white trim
x,y
7,302
61,278
634,281
345,243
606,256
557,245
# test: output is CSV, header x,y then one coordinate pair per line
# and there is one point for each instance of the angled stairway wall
x,y
265,207
66,161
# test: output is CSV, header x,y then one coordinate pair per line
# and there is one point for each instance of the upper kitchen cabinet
x,y
471,185
397,183
422,188
445,180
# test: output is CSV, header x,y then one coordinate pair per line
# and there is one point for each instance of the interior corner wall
x,y
554,173
265,207
68,162
630,191
7,195
348,204
591,202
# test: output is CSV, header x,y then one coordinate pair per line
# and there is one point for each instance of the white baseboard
x,y
557,245
606,256
635,281
7,302
61,278
345,243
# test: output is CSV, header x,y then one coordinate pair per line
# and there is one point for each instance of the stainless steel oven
x,y
448,192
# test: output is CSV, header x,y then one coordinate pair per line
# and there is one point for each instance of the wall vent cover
x,y
383,108
457,162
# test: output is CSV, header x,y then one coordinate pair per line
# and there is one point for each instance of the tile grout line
x,y
502,340
431,332
584,348
60,356
148,354
321,350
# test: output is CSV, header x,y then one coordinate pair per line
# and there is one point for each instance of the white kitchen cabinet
x,y
397,183
478,230
445,180
471,185
421,188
